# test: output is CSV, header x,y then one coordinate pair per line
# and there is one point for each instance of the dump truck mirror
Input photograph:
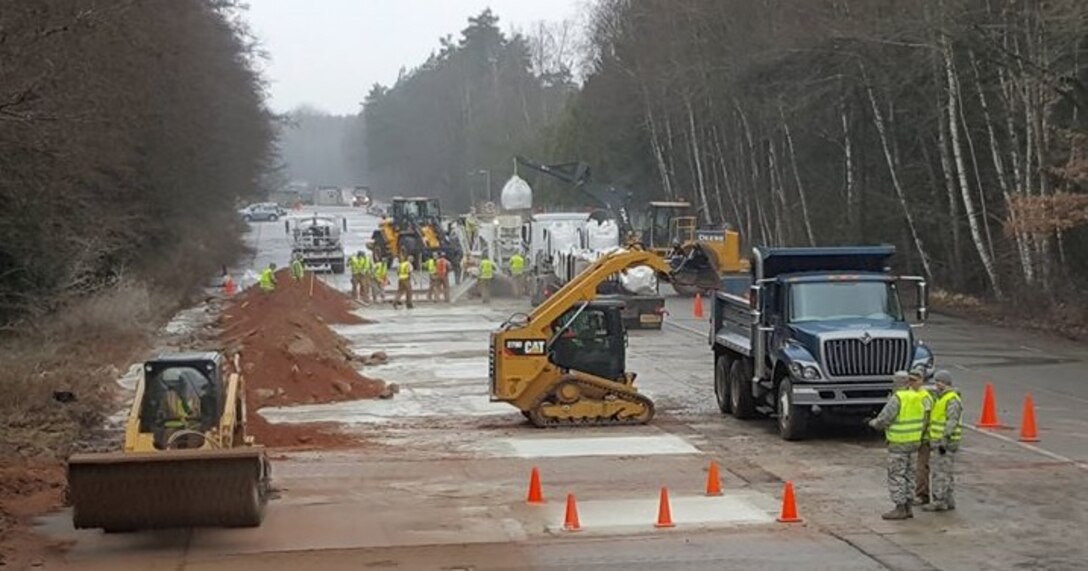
x,y
923,301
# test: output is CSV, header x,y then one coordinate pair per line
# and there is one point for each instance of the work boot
x,y
901,511
950,502
935,507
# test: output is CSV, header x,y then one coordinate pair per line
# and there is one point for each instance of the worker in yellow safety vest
x,y
903,420
430,264
378,274
487,276
404,281
298,271
268,279
945,433
517,271
360,281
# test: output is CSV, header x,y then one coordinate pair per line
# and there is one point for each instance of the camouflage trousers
x,y
901,470
941,478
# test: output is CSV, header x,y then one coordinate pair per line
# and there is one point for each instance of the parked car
x,y
262,211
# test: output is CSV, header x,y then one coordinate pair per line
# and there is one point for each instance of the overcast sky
x,y
327,53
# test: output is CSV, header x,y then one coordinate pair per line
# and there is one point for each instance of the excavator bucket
x,y
171,488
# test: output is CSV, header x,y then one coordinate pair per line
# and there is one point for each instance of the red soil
x,y
291,356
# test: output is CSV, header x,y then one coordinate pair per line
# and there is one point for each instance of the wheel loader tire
x,y
721,383
740,389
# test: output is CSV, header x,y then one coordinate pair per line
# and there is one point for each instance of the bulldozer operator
x,y
180,406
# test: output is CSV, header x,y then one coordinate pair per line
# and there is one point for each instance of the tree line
x,y
956,129
442,125
128,133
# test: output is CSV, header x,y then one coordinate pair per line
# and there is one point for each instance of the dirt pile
x,y
290,356
27,488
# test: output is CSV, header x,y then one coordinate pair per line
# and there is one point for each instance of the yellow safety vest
x,y
178,410
487,269
359,264
380,270
517,264
908,424
405,270
430,266
267,281
939,416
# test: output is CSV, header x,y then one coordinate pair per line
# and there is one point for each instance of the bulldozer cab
x,y
670,223
182,392
591,339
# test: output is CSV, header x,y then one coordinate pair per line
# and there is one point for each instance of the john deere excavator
x,y
186,461
565,363
699,257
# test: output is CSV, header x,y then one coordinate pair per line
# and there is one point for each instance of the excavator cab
x,y
592,340
670,223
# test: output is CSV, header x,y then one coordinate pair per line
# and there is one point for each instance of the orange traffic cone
x,y
713,480
789,506
229,286
1028,432
989,409
664,512
697,309
570,523
536,496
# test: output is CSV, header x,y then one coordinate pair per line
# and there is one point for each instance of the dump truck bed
x,y
125,491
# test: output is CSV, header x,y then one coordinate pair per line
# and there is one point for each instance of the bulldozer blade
x,y
172,488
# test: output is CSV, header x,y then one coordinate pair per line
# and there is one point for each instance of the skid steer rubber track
x,y
172,488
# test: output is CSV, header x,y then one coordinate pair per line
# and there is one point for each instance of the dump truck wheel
x,y
740,391
792,420
721,383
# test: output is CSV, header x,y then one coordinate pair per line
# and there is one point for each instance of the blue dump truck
x,y
818,335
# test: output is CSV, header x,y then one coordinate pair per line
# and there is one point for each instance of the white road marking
x,y
640,515
1030,447
598,446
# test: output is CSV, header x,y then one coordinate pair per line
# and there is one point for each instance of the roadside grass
x,y
1051,316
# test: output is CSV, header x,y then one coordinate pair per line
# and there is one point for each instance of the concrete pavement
x,y
440,475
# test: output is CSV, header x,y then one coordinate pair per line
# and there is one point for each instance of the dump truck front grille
x,y
866,357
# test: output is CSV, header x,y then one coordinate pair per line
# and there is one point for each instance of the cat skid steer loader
x,y
565,363
186,460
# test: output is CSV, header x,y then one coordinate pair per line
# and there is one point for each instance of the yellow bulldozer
x,y
699,257
413,226
565,363
186,460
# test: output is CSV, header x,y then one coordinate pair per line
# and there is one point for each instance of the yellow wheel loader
x,y
565,363
414,226
186,460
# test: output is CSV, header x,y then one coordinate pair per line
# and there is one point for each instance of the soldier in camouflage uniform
x,y
945,432
903,420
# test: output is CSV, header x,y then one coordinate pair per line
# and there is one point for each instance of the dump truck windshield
x,y
818,301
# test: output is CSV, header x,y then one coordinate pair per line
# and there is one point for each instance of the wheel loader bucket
x,y
172,488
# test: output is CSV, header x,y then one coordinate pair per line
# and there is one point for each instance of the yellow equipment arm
x,y
584,286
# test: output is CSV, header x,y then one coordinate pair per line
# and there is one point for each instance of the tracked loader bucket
x,y
169,488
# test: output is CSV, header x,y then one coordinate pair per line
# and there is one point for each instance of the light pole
x,y
486,173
